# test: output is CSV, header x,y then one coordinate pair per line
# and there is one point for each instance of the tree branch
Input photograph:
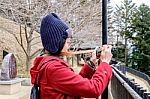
x,y
34,38
35,43
21,36
11,32
36,52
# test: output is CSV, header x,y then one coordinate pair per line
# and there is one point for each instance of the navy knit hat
x,y
53,33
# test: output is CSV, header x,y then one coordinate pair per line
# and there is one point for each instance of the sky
x,y
138,2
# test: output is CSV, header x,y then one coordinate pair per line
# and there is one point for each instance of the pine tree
x,y
122,17
141,39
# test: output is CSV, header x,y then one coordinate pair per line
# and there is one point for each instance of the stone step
x,y
23,94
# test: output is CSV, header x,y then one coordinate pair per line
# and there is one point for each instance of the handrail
x,y
139,74
125,84
136,87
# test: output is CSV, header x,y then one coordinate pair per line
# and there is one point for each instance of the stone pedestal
x,y
10,87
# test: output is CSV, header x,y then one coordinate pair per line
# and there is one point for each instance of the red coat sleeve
x,y
66,81
87,72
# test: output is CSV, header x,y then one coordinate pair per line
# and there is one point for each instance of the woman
x,y
56,78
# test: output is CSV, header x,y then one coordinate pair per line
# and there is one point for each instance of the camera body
x,y
87,56
98,52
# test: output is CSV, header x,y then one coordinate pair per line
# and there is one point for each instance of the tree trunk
x,y
126,52
28,61
28,50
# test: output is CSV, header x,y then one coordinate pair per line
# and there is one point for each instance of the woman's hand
x,y
93,58
106,54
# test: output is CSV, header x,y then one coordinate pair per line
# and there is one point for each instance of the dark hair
x,y
61,45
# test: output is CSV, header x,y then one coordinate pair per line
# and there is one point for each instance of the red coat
x,y
58,80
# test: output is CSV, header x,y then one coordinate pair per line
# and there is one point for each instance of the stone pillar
x,y
9,67
9,84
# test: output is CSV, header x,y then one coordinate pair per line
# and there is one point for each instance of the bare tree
x,y
27,13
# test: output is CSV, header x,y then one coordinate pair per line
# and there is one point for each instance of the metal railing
x,y
125,69
139,74
130,89
120,88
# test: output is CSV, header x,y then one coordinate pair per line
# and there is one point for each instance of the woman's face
x,y
67,45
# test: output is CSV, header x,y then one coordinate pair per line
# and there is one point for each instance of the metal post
x,y
104,37
117,47
104,22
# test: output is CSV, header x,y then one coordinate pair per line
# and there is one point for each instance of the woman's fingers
x,y
106,54
93,58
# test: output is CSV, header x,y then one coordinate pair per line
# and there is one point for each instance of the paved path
x,y
140,81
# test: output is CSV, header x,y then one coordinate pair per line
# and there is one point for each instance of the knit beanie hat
x,y
53,33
